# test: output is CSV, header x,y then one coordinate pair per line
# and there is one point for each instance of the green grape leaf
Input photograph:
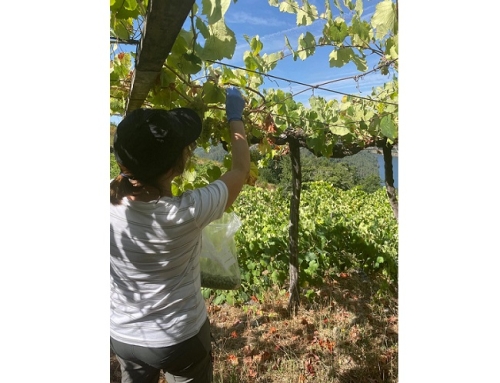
x,y
360,31
251,62
393,52
130,5
388,128
214,9
306,15
256,45
380,107
227,75
117,105
119,27
221,43
317,143
113,77
115,5
345,104
289,6
360,63
384,18
175,189
359,7
167,77
349,4
189,176
125,9
180,44
120,31
202,27
190,64
271,60
306,45
339,130
212,94
337,30
340,57
214,172
391,48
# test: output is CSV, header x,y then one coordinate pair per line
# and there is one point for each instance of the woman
x,y
158,316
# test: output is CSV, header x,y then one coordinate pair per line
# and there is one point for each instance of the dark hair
x,y
148,143
125,184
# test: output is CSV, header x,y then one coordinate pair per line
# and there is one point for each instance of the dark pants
x,y
189,361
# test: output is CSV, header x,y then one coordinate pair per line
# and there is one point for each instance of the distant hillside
x,y
365,163
216,153
360,169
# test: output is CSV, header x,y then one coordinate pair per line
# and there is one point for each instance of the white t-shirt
x,y
156,296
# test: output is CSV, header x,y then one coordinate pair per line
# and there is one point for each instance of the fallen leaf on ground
x,y
233,359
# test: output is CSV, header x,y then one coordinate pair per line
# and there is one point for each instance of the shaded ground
x,y
346,332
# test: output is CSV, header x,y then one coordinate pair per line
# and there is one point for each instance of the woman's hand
x,y
234,104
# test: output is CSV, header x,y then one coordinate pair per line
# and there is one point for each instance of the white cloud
x,y
245,18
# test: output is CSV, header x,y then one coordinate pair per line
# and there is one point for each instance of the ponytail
x,y
123,185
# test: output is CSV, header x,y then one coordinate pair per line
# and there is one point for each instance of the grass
x,y
347,333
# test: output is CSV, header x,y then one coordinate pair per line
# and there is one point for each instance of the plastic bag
x,y
219,263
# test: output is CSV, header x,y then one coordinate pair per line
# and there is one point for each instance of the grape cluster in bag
x,y
219,263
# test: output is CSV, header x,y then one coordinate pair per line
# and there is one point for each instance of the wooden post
x,y
294,299
389,179
164,20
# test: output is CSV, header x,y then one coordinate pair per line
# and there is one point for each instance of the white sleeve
x,y
209,202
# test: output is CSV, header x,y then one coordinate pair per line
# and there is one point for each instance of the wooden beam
x,y
164,20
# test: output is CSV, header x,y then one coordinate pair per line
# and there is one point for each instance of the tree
x,y
370,184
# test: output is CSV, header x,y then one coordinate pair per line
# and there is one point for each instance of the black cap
x,y
148,142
